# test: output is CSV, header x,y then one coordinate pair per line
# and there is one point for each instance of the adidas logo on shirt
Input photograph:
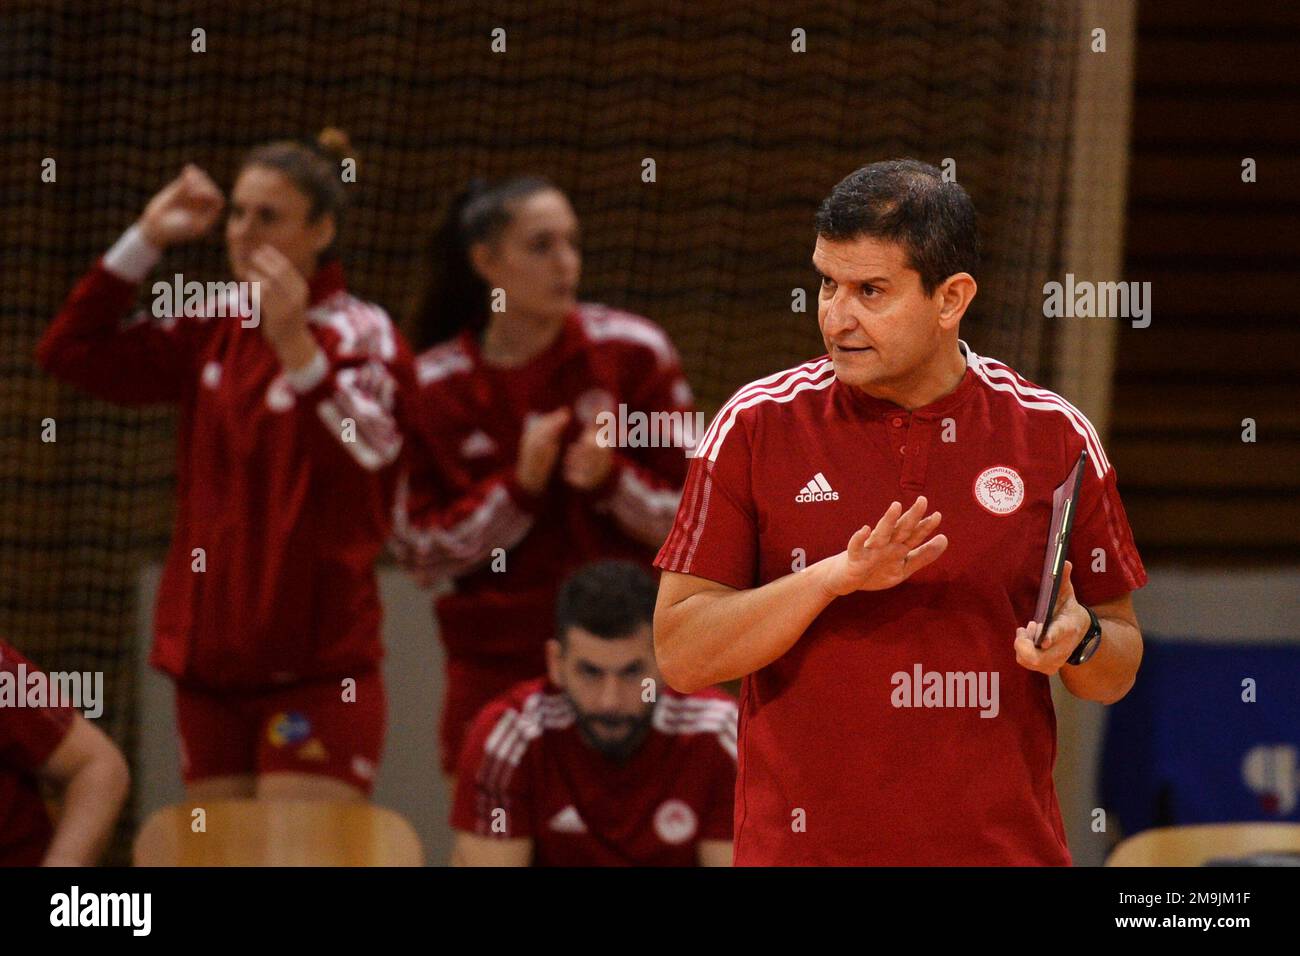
x,y
818,489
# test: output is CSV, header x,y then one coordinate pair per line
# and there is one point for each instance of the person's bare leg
x,y
306,786
220,788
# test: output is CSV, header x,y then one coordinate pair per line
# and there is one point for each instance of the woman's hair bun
x,y
335,143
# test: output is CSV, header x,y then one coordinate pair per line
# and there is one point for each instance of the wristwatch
x,y
1091,641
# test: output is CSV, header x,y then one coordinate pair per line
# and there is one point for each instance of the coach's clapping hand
x,y
182,210
1066,629
880,557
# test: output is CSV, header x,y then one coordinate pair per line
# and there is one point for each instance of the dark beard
x,y
619,749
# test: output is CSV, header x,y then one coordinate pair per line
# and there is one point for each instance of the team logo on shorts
x,y
288,728
675,822
1000,490
313,750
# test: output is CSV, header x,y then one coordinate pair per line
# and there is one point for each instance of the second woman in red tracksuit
x,y
268,614
512,483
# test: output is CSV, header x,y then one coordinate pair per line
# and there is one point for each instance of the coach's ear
x,y
955,294
553,654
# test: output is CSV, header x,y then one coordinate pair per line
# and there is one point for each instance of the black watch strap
x,y
1088,646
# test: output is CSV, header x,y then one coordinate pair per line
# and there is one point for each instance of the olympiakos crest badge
x,y
675,822
1000,490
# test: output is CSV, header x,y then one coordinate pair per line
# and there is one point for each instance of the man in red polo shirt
x,y
894,709
600,765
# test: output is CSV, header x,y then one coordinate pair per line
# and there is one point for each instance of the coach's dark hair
x,y
907,202
314,168
453,296
609,599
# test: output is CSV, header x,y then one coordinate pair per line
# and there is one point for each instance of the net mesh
x,y
747,136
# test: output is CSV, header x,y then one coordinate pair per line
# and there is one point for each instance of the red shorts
x,y
304,728
471,684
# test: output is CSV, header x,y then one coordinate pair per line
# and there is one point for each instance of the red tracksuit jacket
x,y
289,513
463,501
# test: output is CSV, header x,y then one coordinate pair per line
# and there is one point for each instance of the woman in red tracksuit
x,y
268,614
511,483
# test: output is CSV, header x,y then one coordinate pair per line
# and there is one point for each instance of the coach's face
x,y
604,679
880,328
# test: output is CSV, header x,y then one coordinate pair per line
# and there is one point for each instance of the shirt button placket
x,y
918,437
895,426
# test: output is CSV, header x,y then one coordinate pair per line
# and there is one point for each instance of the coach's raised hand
x,y
888,554
707,633
184,209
